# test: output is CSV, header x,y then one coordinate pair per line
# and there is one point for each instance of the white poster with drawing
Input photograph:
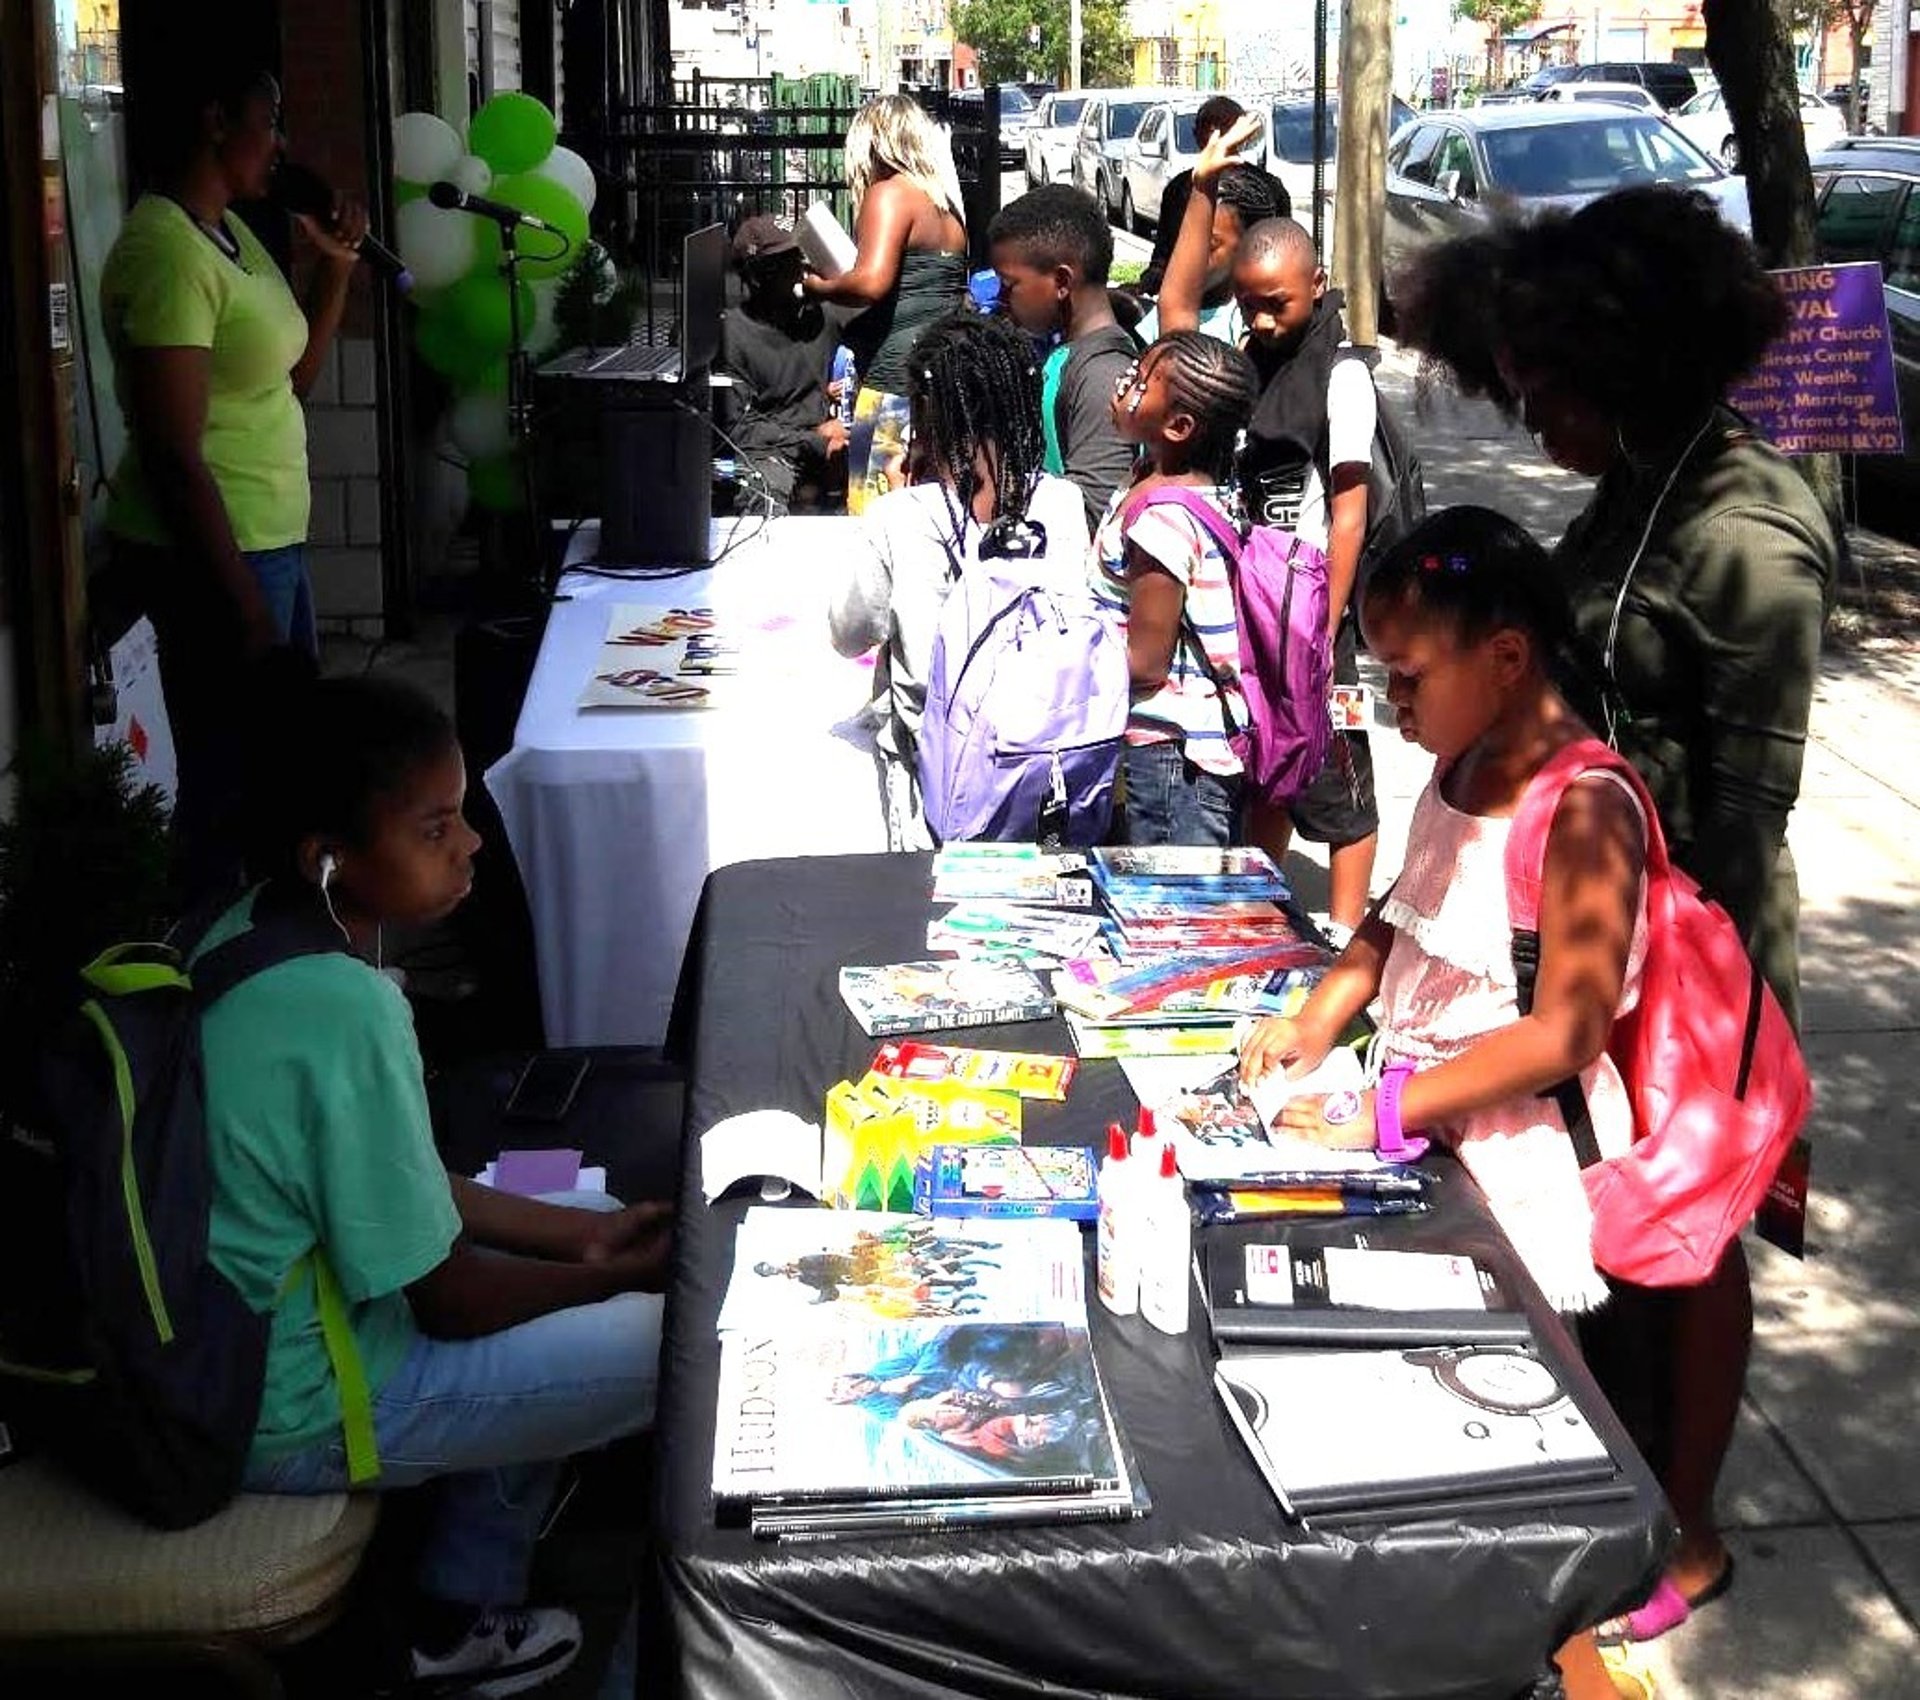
x,y
140,710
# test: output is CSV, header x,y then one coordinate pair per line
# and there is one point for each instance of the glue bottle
x,y
1146,1145
1166,1245
1116,1242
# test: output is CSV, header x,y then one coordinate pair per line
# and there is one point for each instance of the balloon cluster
x,y
463,329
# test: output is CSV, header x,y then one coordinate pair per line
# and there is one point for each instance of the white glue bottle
x,y
1116,1236
1166,1245
1146,1146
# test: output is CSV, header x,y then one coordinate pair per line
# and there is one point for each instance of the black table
x,y
1214,1593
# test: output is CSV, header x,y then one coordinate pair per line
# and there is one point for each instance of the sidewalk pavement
x,y
1821,1495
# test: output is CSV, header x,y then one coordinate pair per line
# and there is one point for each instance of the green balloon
x,y
540,251
495,483
479,306
512,132
443,345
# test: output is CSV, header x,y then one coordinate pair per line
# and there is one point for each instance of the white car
x,y
1050,134
1164,146
1706,122
1607,94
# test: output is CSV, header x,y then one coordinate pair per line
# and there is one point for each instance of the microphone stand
x,y
520,409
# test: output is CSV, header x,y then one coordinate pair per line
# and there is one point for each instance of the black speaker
x,y
656,472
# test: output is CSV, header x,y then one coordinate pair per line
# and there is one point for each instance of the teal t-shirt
x,y
1050,374
1222,321
318,1134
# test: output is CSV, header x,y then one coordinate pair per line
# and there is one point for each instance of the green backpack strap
x,y
349,1372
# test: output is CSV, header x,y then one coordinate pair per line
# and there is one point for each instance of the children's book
x,y
1186,863
812,1269
1171,1037
1027,1073
914,1410
1008,1180
1270,1292
1333,1429
923,997
1223,1131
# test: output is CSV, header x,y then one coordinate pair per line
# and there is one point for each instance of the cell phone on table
x,y
547,1087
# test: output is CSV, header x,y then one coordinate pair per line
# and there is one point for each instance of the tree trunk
x,y
1750,47
1360,181
1856,112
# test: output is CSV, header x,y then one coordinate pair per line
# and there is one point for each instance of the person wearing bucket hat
x,y
777,347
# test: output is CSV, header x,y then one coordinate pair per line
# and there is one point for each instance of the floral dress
x,y
1449,981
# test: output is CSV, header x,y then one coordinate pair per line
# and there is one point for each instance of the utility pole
x,y
1073,44
1360,176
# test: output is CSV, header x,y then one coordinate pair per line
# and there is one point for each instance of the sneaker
x,y
505,1652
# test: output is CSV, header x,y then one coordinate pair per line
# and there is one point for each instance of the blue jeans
x,y
1170,801
282,576
490,1420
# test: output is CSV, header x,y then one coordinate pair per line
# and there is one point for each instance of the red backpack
x,y
1711,1064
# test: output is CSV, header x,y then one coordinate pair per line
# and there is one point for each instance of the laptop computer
x,y
701,300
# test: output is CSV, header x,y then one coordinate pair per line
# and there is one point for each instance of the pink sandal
x,y
1662,1612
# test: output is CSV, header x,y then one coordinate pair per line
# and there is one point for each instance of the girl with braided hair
x,y
975,487
1161,570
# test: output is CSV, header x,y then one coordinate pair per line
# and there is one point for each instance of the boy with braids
x,y
1243,198
1305,469
976,480
1052,250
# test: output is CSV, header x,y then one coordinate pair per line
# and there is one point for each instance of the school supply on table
x,y
1012,873
923,997
1028,1074
1154,1036
587,1177
1352,1430
1041,938
885,1374
1280,604
879,1127
1165,1226
528,1174
1165,871
1270,1292
123,1350
1709,1058
1227,1132
1027,700
659,657
1183,982
1278,1197
1006,1181
775,1145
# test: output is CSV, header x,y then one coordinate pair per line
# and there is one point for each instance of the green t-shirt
x,y
1050,375
318,1133
167,285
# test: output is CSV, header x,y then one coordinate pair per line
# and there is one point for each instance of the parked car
x,y
1504,97
1049,137
1672,84
1164,146
1015,107
1107,125
1449,172
1635,95
1548,75
1290,151
1867,200
1706,122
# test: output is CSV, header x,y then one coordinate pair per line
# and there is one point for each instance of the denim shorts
x,y
1171,801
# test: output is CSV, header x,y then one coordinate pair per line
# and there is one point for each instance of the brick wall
x,y
325,105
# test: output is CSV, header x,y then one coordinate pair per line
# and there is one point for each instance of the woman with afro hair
x,y
1701,573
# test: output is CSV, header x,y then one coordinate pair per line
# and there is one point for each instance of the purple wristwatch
x,y
1390,1139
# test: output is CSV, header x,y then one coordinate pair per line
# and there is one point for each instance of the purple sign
x,y
1827,386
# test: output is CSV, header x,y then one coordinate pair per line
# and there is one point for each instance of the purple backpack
x,y
1027,698
1280,604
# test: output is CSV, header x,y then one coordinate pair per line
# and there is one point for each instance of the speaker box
x,y
656,476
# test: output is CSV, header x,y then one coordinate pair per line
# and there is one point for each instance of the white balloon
x,y
439,247
545,335
424,147
572,173
477,424
472,173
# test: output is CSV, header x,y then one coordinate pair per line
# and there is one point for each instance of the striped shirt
x,y
1187,707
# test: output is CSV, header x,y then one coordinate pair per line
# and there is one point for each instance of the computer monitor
x,y
703,297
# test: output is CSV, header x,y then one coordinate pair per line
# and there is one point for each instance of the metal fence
x,y
726,148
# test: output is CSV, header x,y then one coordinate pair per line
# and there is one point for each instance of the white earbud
x,y
327,865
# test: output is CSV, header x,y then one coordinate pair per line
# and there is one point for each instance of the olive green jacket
x,y
1714,660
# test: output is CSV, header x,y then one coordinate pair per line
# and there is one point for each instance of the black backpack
x,y
1397,489
123,1352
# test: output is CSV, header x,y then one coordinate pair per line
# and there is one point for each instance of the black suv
x,y
1867,190
1672,85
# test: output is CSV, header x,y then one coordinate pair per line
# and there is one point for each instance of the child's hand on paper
x,y
1342,1121
1283,1042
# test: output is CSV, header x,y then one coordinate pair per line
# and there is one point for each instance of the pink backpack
x,y
1280,607
1710,1061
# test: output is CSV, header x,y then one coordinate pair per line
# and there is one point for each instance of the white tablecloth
x,y
616,815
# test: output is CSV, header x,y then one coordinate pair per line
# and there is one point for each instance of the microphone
x,y
302,191
450,197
